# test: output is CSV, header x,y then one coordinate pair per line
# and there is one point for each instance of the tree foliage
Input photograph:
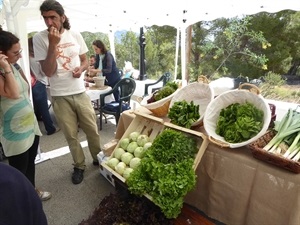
x,y
243,46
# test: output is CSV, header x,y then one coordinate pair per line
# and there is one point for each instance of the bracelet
x,y
7,72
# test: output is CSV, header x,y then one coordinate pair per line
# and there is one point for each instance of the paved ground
x,y
71,203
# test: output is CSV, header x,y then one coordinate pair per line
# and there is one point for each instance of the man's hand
x,y
77,72
54,36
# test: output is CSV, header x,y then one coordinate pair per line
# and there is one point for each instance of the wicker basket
x,y
159,108
200,93
241,95
256,148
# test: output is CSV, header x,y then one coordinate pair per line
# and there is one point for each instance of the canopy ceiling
x,y
23,16
103,16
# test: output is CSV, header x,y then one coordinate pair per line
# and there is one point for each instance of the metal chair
x,y
164,78
126,87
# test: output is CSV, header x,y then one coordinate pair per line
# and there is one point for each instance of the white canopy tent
x,y
23,16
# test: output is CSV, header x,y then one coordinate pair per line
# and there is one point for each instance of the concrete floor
x,y
70,204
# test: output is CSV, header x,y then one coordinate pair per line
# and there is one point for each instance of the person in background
x,y
39,92
62,55
89,74
19,129
106,65
19,202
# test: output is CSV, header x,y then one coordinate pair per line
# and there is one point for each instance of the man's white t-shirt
x,y
69,48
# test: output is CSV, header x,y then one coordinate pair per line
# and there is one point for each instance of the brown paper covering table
x,y
235,188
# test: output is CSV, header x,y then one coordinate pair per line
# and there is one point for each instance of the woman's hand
x,y
4,63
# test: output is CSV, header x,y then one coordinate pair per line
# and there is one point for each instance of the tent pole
x,y
183,56
176,53
111,37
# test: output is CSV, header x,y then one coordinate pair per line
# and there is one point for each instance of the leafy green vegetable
x,y
165,91
166,172
286,141
239,122
184,114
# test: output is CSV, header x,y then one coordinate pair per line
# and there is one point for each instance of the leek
x,y
293,147
288,130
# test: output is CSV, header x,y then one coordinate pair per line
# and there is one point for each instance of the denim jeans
x,y
40,103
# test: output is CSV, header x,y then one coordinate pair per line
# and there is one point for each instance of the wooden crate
x,y
152,126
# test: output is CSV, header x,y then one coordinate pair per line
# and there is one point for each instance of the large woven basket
x,y
159,108
241,95
198,92
258,152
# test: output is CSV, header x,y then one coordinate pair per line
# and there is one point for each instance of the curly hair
x,y
52,5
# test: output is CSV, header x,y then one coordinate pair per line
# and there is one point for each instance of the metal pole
x,y
143,75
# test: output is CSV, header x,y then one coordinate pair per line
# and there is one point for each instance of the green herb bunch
x,y
239,122
165,91
183,113
166,172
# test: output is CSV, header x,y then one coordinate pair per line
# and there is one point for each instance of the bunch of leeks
x,y
286,142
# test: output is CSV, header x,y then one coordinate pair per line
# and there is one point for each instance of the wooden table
x,y
235,188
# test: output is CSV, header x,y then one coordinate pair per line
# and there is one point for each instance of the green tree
x,y
127,49
282,35
231,48
160,50
90,37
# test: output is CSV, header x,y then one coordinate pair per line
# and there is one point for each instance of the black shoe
x,y
77,175
96,163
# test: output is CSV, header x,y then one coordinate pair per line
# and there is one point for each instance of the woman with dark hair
x,y
106,65
19,130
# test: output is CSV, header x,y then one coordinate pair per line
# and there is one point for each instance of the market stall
x,y
235,188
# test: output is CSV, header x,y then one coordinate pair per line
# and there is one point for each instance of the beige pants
x,y
73,110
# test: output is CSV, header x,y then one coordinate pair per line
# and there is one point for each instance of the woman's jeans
x,y
40,102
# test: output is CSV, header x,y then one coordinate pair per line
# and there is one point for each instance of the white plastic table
x,y
95,93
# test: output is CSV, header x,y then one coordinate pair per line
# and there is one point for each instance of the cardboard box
x,y
103,170
152,126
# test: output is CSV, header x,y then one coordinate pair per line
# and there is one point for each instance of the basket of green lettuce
x,y
237,117
159,101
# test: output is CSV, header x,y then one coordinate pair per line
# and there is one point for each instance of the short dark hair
x,y
52,5
7,40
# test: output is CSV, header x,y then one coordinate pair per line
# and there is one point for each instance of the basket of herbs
x,y
188,105
237,117
158,103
